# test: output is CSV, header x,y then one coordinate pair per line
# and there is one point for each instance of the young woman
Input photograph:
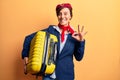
x,y
70,43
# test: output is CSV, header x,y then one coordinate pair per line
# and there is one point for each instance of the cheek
x,y
69,17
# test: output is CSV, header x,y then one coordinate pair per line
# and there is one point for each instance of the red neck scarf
x,y
65,28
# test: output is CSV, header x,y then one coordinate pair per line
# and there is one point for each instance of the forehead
x,y
65,10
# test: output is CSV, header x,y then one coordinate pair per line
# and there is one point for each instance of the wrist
x,y
25,60
82,39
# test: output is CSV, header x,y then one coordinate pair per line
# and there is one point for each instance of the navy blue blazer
x,y
64,63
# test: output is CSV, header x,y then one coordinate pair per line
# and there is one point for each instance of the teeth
x,y
62,20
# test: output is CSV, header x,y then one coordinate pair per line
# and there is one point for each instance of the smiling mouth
x,y
62,20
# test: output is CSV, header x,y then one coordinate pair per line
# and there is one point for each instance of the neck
x,y
65,29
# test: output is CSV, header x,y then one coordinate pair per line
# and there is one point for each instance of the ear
x,y
70,18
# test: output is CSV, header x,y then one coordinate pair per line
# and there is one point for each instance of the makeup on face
x,y
64,16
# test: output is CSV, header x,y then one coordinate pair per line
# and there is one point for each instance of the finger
x,y
78,28
75,34
82,29
25,70
85,32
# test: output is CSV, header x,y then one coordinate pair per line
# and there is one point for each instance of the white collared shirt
x,y
65,38
61,45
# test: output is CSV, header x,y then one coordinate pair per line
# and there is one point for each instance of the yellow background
x,y
101,19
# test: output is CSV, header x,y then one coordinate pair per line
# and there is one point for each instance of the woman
x,y
70,43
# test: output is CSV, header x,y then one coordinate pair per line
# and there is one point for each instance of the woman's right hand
x,y
25,64
80,34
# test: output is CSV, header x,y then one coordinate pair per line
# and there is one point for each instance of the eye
x,y
65,13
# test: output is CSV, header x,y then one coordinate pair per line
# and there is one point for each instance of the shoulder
x,y
29,37
50,29
31,34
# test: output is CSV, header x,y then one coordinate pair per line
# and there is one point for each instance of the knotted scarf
x,y
65,28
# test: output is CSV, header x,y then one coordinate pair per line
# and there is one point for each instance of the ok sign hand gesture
x,y
80,34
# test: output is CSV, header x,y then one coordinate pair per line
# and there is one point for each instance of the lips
x,y
63,20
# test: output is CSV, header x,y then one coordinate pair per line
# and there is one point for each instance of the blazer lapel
x,y
58,44
65,46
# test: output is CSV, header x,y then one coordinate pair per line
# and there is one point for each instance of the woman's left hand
x,y
80,34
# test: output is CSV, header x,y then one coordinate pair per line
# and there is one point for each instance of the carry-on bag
x,y
42,54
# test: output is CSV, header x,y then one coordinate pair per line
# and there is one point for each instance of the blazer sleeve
x,y
27,41
79,50
26,45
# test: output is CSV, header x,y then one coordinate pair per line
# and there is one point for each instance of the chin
x,y
62,23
